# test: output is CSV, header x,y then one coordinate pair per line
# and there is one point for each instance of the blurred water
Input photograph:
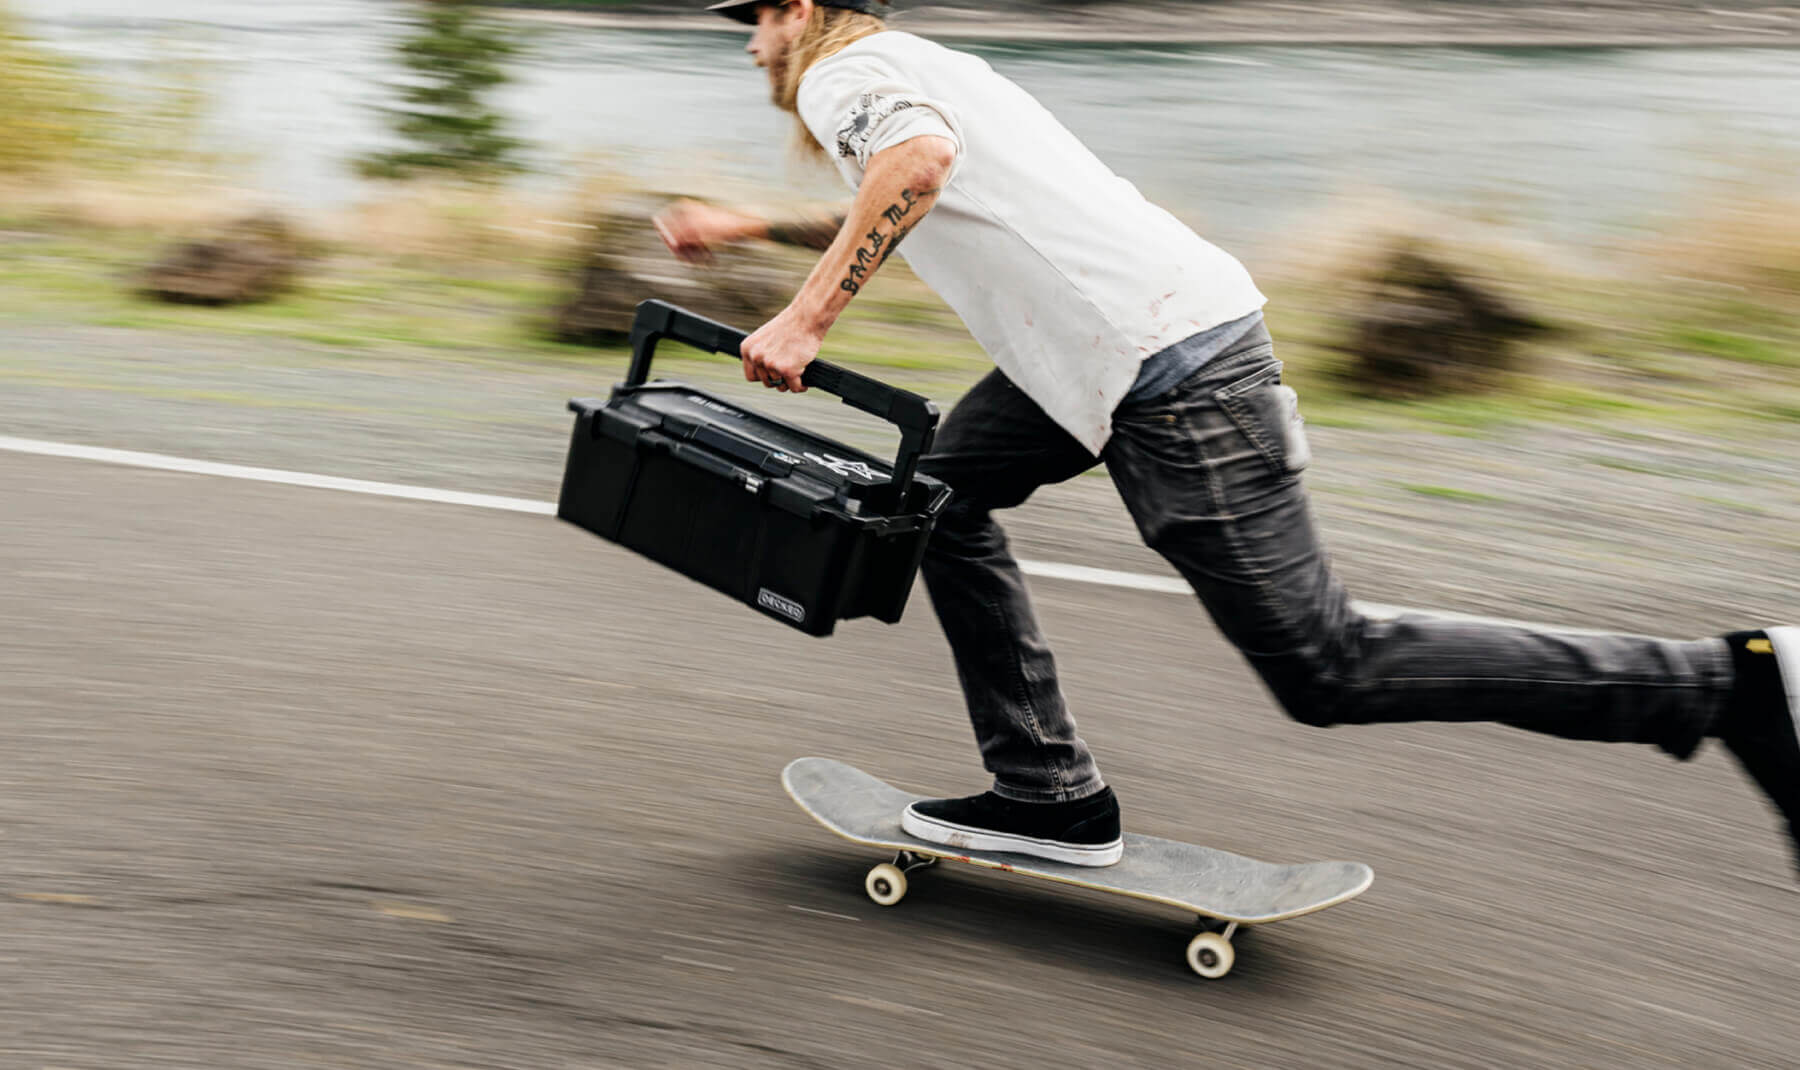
x,y
1243,139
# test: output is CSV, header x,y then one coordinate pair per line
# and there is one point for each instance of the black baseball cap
x,y
745,10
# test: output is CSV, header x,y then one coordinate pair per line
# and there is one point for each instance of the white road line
x,y
824,913
702,965
165,463
696,939
1048,570
883,1005
1105,577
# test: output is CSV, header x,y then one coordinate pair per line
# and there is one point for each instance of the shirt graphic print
x,y
865,115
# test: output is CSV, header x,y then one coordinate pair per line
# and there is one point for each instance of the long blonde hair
x,y
828,32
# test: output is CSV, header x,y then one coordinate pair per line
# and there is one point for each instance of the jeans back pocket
x,y
1268,413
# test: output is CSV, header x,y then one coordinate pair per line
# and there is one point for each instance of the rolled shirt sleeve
x,y
857,105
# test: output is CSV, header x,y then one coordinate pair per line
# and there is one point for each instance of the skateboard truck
x,y
911,860
886,883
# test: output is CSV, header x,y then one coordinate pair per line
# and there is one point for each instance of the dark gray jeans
x,y
1211,473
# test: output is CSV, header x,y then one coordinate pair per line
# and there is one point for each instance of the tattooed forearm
x,y
894,243
869,256
811,232
909,199
900,187
878,245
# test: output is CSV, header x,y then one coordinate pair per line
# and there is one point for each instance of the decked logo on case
x,y
787,607
842,467
727,410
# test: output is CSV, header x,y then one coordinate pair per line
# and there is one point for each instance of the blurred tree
x,y
455,58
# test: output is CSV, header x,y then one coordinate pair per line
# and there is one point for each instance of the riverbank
x,y
1699,332
1327,22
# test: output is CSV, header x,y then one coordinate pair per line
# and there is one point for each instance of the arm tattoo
x,y
812,232
877,246
894,242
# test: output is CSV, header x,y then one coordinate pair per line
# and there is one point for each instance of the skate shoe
x,y
1081,833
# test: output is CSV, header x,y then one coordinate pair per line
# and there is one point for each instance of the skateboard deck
x,y
1224,889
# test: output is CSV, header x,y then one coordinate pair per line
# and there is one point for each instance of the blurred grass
x,y
1453,494
1730,345
1644,352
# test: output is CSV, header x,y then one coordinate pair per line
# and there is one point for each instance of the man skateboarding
x,y
1121,337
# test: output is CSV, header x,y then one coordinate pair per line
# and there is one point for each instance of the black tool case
x,y
805,529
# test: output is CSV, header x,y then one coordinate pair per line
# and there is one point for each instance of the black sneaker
x,y
1762,727
1081,833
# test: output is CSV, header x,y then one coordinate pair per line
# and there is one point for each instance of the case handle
x,y
915,416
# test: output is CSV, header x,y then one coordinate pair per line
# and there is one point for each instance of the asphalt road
x,y
295,778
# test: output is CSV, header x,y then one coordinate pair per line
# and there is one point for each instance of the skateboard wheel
x,y
1210,955
886,884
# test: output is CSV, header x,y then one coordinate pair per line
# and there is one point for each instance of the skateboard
x,y
1225,890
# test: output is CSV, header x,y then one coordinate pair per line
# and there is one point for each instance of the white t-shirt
x,y
1061,269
